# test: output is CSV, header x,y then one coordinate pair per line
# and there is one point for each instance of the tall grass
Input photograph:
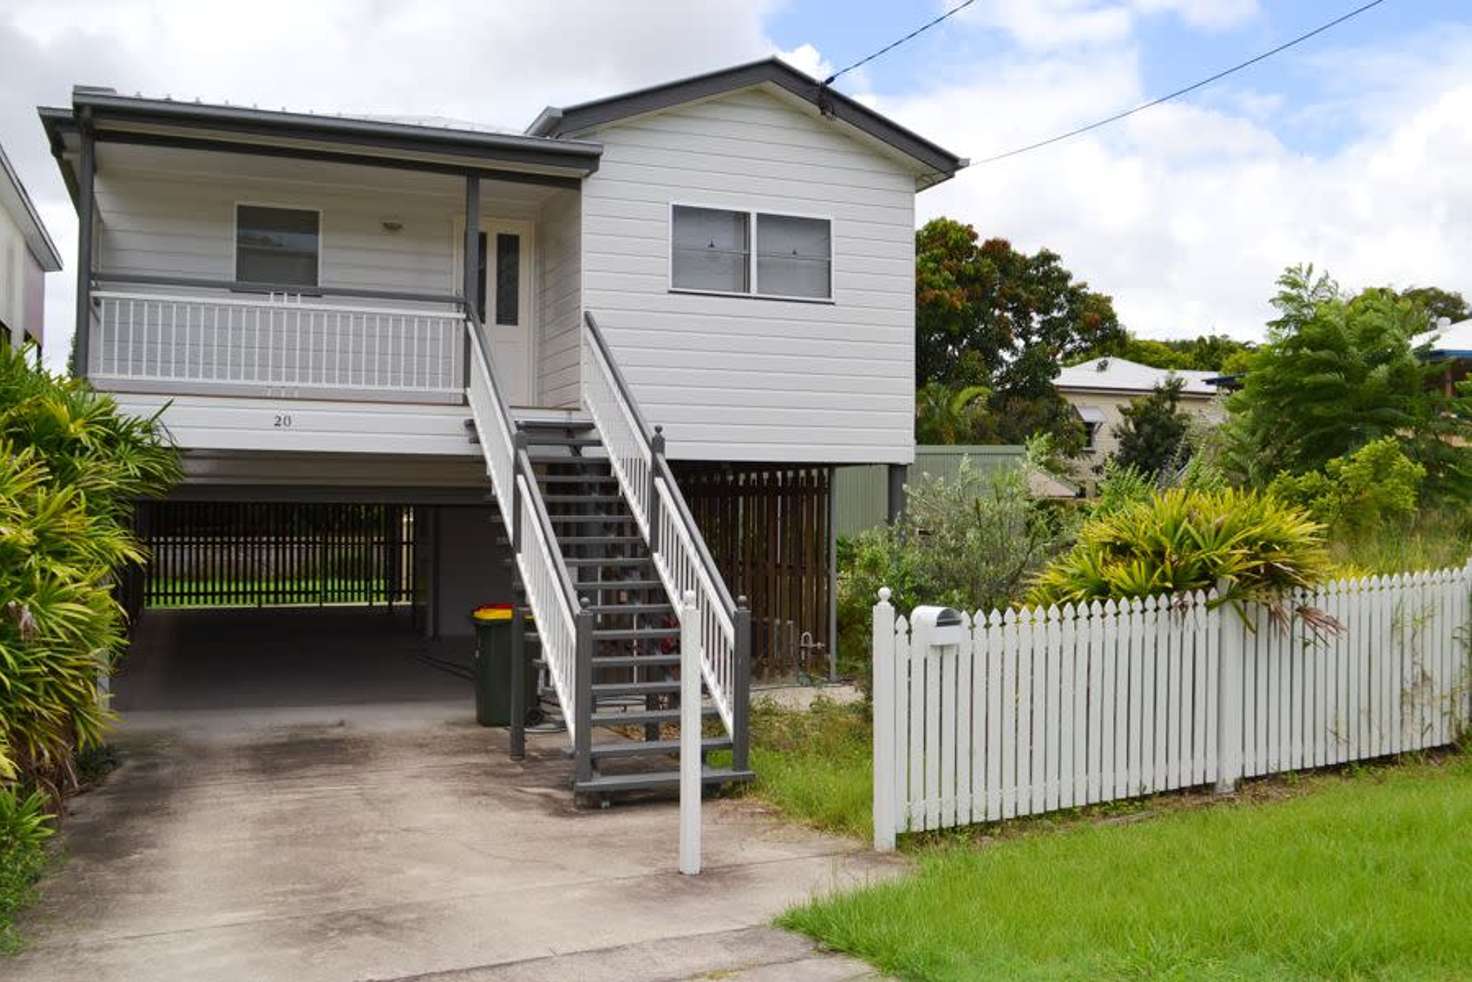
x,y
1437,538
24,829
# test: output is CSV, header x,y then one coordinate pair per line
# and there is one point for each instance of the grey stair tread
x,y
554,424
640,716
613,540
590,499
609,561
650,748
657,779
634,633
634,661
544,457
635,688
590,517
639,609
577,479
620,585
556,440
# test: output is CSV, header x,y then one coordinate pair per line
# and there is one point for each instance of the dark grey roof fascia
x,y
108,106
587,115
39,240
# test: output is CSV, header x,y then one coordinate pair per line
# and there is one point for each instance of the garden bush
x,y
972,541
1181,540
71,467
24,829
1359,493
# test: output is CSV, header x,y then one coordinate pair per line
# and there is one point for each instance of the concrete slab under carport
x,y
382,838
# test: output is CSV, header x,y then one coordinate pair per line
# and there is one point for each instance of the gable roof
x,y
1123,375
15,200
939,162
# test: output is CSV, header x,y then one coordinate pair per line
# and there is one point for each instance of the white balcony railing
x,y
279,344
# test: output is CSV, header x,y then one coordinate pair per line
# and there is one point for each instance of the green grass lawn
x,y
814,767
1361,875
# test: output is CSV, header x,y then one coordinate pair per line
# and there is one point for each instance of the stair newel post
x,y
692,763
583,693
518,682
741,689
656,448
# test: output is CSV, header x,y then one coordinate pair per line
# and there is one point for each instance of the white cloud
x,y
806,58
1045,24
1186,214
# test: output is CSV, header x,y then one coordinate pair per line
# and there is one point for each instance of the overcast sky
x,y
1350,151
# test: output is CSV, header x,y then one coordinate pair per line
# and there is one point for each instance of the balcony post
x,y
471,287
86,211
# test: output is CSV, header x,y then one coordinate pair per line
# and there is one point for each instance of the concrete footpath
x,y
398,841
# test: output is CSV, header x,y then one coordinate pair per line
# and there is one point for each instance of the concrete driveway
x,y
394,839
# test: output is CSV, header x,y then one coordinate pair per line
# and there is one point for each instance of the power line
x,y
895,44
1180,92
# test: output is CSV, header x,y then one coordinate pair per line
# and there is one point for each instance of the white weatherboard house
x,y
647,329
27,254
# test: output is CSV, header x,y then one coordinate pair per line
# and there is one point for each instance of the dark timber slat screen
x,y
767,527
269,554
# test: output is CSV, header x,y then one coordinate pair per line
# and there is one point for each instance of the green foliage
x,y
971,542
1181,540
986,314
1357,876
70,468
1152,435
1438,303
1207,353
946,415
25,826
815,766
1336,374
1375,486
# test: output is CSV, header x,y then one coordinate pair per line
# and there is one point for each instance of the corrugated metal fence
x,y
861,494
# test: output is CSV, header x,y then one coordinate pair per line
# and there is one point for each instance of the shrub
x,y
1154,432
1358,493
70,468
24,829
1181,540
971,542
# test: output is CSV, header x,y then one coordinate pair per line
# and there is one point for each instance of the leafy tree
x,y
1439,303
1152,435
945,415
1208,353
1338,373
987,314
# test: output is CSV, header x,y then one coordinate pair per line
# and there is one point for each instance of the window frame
x,y
753,216
252,286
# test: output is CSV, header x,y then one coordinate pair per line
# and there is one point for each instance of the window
x,y
277,246
711,250
507,283
794,257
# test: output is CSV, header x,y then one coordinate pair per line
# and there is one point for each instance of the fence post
x,y
884,736
690,736
1230,658
583,692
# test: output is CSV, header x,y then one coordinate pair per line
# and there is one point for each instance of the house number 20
x,y
283,421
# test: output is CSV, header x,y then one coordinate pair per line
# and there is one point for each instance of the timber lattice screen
x,y
273,554
768,529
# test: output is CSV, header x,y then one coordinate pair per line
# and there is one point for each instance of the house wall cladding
x,y
767,527
743,378
1040,710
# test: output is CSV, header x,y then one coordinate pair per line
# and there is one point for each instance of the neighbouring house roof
x,y
936,161
15,200
1451,341
1122,375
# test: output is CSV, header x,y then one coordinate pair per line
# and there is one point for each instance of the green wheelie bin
x,y
493,625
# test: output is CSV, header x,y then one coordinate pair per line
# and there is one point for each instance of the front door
x,y
505,306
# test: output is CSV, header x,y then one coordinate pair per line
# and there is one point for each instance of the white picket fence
x,y
1039,710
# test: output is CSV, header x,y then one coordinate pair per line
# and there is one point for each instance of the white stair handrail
x,y
681,557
